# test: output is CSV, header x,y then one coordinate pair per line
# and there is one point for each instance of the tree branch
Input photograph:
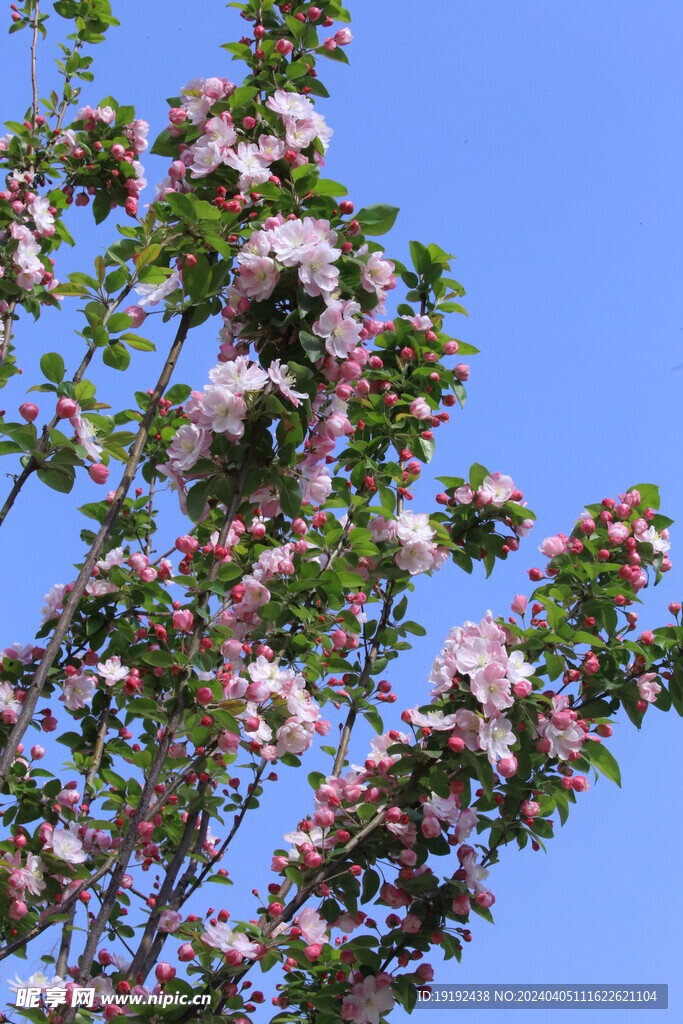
x,y
71,603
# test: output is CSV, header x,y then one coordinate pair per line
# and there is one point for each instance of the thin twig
x,y
34,77
128,842
43,445
75,595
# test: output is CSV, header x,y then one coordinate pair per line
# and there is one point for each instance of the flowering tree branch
x,y
285,594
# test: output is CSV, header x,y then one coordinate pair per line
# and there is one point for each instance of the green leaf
x,y
136,342
482,769
421,258
297,28
243,95
118,322
327,187
178,393
148,255
61,479
101,207
297,69
181,205
604,761
52,366
337,54
554,664
196,498
478,473
377,219
370,888
116,356
427,448
290,496
159,659
197,279
313,347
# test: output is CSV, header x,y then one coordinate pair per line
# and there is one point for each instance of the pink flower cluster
x,y
221,409
300,123
418,551
273,694
560,735
35,221
496,676
307,244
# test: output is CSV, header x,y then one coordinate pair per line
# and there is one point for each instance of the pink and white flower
x,y
496,737
312,926
368,1002
66,845
190,444
496,489
77,690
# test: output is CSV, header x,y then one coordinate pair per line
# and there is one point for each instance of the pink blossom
x,y
369,1000
290,104
496,489
617,533
416,557
65,845
317,485
220,936
183,620
496,737
317,271
340,330
420,409
464,495
42,218
188,446
77,690
170,921
250,163
554,546
492,689
648,688
312,926
283,380
258,276
152,292
377,274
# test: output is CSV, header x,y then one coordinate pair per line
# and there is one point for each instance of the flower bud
x,y
98,473
66,408
29,411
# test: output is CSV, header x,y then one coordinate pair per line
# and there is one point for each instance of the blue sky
x,y
541,144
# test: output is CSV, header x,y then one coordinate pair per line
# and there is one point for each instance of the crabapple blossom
x,y
187,664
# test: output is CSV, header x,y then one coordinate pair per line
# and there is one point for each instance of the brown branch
x,y
34,77
302,895
362,680
98,751
178,896
233,832
174,723
43,445
150,510
67,78
71,603
7,330
169,881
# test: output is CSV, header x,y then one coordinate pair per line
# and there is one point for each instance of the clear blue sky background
x,y
541,144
